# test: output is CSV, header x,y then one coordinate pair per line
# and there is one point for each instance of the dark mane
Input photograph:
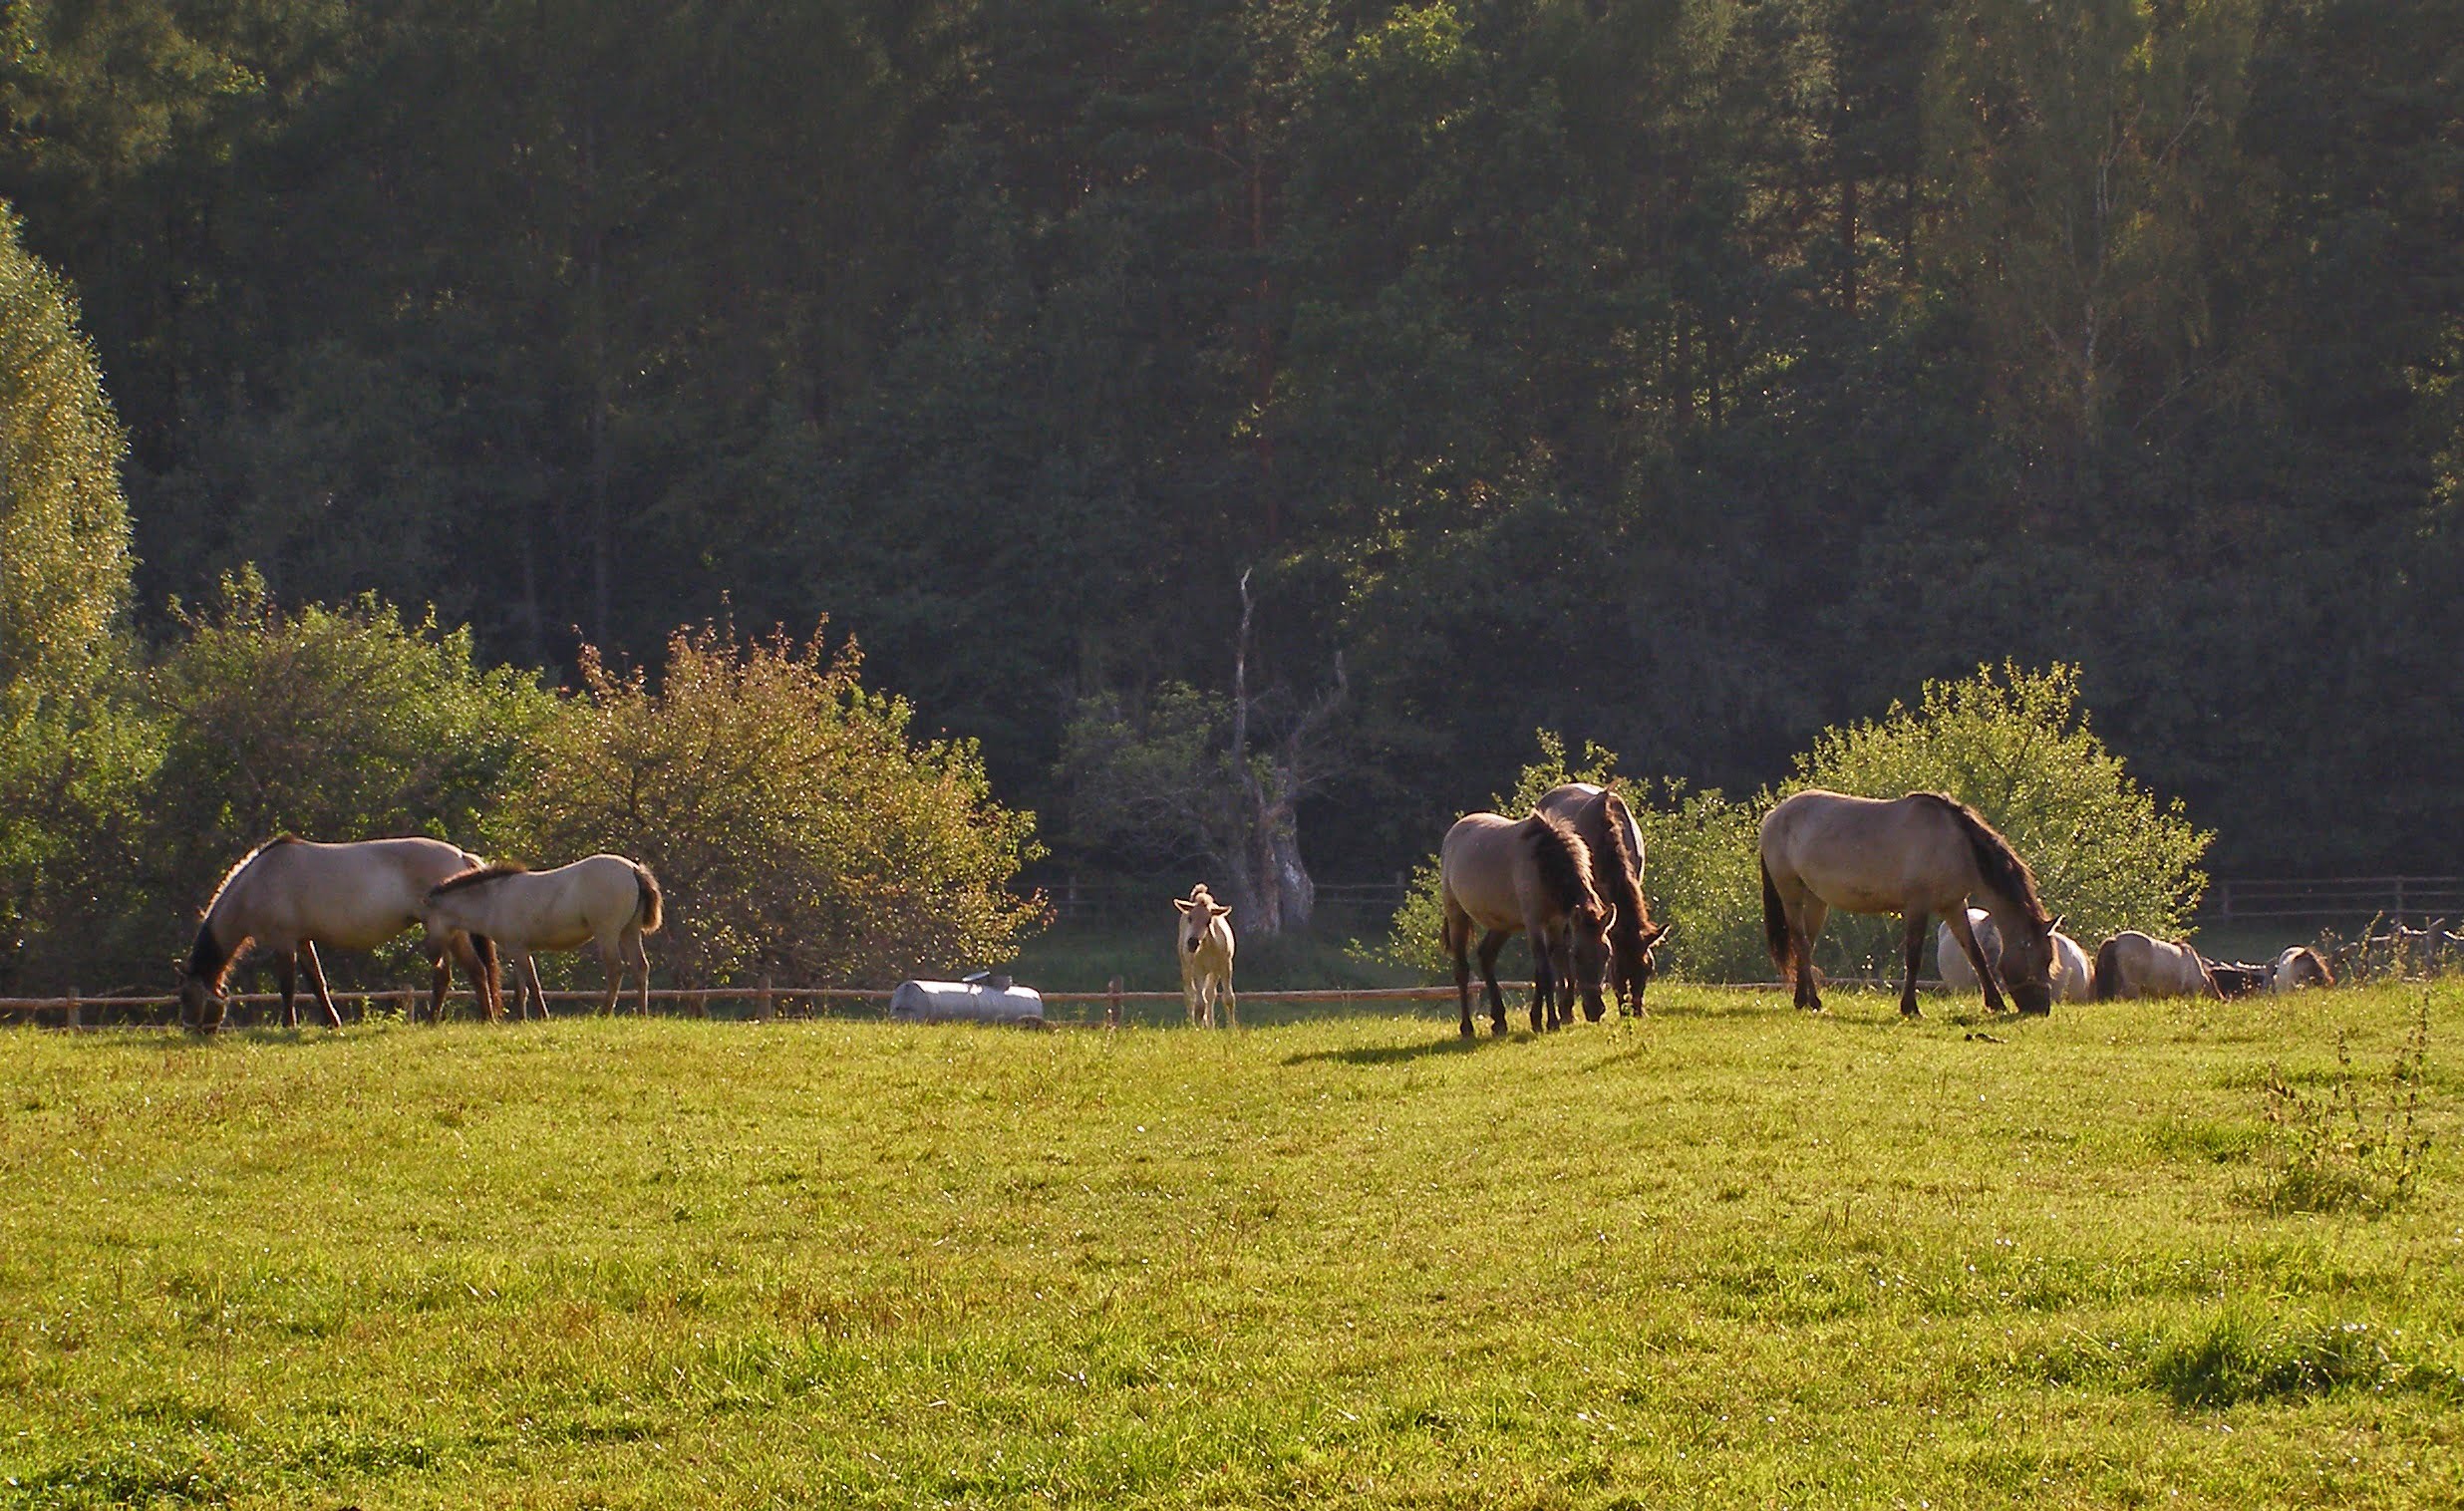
x,y
2001,865
1633,915
478,874
1563,859
210,959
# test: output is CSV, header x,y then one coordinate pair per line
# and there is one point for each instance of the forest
x,y
1318,397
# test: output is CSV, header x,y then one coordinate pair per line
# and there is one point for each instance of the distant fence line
x,y
2228,898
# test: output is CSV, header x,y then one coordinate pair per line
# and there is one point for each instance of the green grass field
x,y
1728,1256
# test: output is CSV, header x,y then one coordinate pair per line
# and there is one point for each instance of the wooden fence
x,y
2331,898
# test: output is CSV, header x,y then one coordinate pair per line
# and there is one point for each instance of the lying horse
x,y
1914,855
605,900
2132,964
2073,978
1531,876
1616,844
2299,966
2240,978
291,895
1205,950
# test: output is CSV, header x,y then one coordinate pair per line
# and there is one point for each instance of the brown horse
x,y
1914,855
610,901
2132,964
2299,966
1616,844
291,895
1529,876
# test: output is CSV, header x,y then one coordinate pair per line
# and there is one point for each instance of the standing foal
x,y
1206,956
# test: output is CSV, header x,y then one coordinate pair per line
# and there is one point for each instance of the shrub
x,y
2333,1153
796,828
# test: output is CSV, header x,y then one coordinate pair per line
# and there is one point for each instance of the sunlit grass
x,y
1729,1255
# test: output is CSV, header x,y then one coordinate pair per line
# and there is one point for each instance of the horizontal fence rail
x,y
2332,897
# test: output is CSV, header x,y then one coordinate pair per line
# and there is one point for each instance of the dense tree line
x,y
1684,375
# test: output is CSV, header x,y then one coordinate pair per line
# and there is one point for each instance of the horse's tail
x,y
651,910
2108,972
1775,923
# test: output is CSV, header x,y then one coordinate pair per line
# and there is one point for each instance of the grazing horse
x,y
1913,855
1529,876
605,900
2299,966
1205,951
1616,844
2132,964
291,895
2074,980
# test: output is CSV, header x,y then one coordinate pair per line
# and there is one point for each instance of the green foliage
x,y
63,529
342,722
796,827
73,754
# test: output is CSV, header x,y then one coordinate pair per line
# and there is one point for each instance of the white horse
x,y
2073,981
2299,966
291,895
1205,951
607,900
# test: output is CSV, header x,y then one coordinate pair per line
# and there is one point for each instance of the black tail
x,y
1775,924
2109,973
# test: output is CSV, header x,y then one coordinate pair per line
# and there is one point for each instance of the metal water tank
x,y
985,998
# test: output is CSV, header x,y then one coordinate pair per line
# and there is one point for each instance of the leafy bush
x,y
2014,744
796,828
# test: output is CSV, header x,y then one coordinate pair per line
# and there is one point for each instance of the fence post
x,y
2399,898
1111,1005
73,1014
762,1004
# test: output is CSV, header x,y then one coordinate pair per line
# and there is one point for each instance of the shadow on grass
x,y
1396,1055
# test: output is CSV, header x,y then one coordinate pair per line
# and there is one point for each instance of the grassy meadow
x,y
1727,1255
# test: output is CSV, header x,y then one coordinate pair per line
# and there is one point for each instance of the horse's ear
x,y
2055,926
1220,909
1657,933
1182,903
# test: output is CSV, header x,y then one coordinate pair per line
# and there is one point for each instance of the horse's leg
x,y
1490,943
1957,918
613,969
1543,981
530,989
641,965
440,980
316,981
1804,927
1231,1001
286,971
1458,944
1916,952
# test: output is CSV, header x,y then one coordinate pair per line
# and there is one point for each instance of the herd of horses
x,y
290,895
1568,877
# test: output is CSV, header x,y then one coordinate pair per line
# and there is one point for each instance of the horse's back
x,y
1869,855
1477,868
353,895
2136,964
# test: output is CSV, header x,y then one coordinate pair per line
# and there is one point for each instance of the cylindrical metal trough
x,y
967,1001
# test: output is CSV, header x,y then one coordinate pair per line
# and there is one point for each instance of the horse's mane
x,y
1633,915
2000,864
208,959
478,874
1564,860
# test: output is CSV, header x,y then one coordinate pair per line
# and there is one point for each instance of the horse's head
x,y
201,1007
1594,954
1637,967
1198,912
2027,964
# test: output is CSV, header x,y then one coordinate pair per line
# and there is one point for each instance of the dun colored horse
x,y
605,900
2074,980
2132,964
1914,855
291,895
1529,876
1205,951
1616,844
